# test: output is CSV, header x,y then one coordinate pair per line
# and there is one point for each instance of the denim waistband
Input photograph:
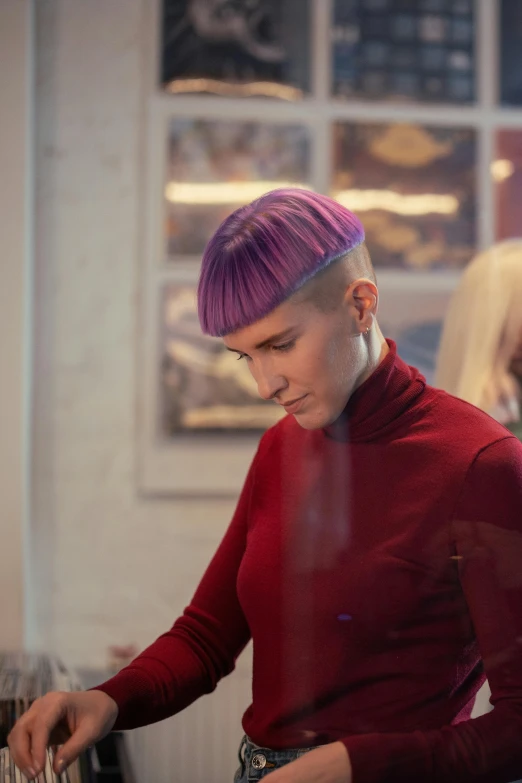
x,y
256,761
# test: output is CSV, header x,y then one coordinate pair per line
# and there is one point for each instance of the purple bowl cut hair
x,y
265,251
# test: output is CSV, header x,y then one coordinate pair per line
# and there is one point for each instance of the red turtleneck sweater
x,y
377,566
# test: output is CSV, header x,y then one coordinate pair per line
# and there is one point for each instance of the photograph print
x,y
414,188
215,166
204,388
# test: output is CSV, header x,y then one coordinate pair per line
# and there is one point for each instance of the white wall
x,y
111,567
119,567
15,293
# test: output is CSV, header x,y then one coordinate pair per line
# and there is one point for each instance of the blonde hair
x,y
482,328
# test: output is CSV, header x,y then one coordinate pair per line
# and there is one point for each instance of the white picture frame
x,y
217,465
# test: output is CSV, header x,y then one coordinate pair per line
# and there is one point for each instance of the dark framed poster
x,y
510,45
404,50
236,47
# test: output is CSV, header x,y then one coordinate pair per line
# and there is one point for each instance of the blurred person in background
x,y
374,554
480,354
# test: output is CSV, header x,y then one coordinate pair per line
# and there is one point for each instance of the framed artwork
x,y
506,172
275,93
215,166
239,48
203,387
413,187
404,50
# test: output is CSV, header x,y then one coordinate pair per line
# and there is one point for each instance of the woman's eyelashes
x,y
284,346
281,348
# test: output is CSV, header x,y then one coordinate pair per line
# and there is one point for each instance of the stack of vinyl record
x,y
25,677
9,773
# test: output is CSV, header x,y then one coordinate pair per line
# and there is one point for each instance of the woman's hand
x,y
328,764
77,719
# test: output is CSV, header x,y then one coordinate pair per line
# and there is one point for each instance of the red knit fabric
x,y
377,565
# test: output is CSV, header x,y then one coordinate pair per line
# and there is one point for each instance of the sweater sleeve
x,y
202,645
487,536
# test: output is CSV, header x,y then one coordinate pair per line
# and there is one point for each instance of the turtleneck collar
x,y
375,405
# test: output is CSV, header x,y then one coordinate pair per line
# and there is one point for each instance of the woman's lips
x,y
294,405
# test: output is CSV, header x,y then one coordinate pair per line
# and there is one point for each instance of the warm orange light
x,y
222,192
248,90
399,203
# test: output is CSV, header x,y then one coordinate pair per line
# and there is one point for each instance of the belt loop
x,y
241,751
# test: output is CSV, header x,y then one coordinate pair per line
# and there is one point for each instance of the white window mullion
x,y
485,216
321,126
321,62
486,53
310,108
487,69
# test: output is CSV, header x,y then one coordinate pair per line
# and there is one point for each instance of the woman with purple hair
x,y
373,557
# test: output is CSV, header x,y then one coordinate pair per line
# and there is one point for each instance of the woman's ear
x,y
363,297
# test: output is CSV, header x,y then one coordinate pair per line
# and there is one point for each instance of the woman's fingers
x,y
43,722
79,741
19,741
29,737
78,719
